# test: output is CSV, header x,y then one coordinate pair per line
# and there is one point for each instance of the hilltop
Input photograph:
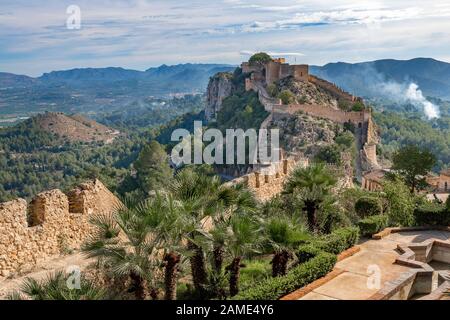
x,y
316,118
75,128
50,130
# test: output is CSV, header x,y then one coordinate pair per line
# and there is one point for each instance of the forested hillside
x,y
33,160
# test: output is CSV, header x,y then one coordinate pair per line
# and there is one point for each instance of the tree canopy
x,y
413,164
260,58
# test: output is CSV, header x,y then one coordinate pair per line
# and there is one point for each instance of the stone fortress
x,y
261,75
51,225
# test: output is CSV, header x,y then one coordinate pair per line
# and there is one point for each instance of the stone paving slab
x,y
383,260
347,286
317,296
352,284
418,236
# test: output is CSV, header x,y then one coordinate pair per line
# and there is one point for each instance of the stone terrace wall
x,y
51,224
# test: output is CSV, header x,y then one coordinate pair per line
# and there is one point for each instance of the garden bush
x,y
373,224
300,276
307,252
368,206
335,243
432,214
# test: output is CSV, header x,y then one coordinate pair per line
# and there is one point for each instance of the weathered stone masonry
x,y
267,183
51,224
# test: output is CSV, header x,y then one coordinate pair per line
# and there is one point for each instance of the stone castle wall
x,y
50,225
334,90
268,182
275,70
321,111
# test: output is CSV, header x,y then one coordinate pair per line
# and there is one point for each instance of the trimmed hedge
x,y
373,224
307,252
432,214
368,206
336,242
300,276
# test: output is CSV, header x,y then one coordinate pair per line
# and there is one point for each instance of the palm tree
x,y
283,234
311,185
55,287
243,239
203,199
231,200
123,244
130,241
166,220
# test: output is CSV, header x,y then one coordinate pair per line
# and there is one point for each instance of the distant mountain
x,y
366,78
89,75
98,89
8,80
198,74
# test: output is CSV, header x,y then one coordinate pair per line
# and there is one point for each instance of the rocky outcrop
x,y
220,86
52,224
308,93
305,134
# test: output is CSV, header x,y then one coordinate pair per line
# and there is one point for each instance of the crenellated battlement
x,y
268,181
334,90
51,224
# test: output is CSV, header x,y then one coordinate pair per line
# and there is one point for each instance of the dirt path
x,y
44,269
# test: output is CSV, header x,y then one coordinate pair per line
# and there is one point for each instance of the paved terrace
x,y
351,283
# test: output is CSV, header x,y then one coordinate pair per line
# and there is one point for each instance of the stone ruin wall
x,y
266,184
50,225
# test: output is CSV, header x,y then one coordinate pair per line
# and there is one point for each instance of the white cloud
x,y
141,33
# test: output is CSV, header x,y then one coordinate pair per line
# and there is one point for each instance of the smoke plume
x,y
367,81
409,93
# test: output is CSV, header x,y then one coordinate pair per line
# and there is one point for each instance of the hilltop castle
x,y
275,70
258,76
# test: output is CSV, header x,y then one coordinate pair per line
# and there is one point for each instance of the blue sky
x,y
139,34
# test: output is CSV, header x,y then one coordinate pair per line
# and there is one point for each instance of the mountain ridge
x,y
364,78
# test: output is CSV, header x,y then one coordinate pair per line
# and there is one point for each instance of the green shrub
x,y
432,214
259,58
307,252
349,236
255,271
329,154
345,139
400,203
447,204
368,206
349,126
300,276
373,224
358,106
335,243
272,90
286,96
